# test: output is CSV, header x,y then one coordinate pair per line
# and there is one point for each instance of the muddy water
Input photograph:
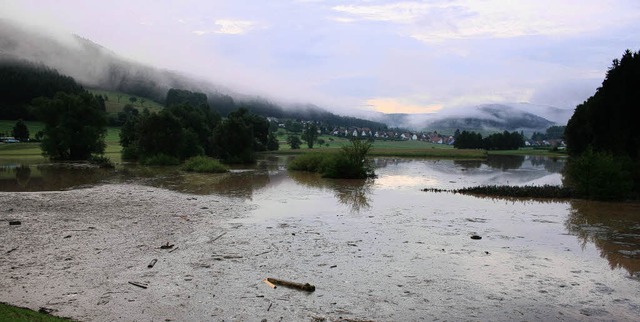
x,y
398,249
384,250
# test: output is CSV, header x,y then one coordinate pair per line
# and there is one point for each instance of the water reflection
x,y
505,162
614,228
237,183
50,177
353,193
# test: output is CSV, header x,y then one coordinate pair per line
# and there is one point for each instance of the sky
x,y
364,55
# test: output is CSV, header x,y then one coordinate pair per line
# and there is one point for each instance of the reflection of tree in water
x,y
23,174
468,164
614,228
234,184
505,162
353,193
552,165
52,177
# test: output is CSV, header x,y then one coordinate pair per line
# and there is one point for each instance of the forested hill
x,y
96,67
21,82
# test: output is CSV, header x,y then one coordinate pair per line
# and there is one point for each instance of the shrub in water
x,y
598,175
204,164
160,159
349,163
308,162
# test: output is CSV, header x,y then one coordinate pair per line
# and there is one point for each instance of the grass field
x,y
31,151
116,101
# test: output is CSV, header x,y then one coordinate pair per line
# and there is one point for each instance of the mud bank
x,y
75,253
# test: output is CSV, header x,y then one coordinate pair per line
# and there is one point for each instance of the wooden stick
x,y
171,251
266,281
153,262
138,284
304,287
219,236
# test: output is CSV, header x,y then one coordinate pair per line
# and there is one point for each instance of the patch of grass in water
x,y
545,191
204,165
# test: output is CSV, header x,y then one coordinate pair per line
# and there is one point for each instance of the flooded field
x,y
379,250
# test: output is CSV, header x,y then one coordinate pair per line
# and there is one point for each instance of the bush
x,y
598,175
160,159
349,163
310,162
204,164
102,161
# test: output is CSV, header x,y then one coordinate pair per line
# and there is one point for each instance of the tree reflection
x,y
552,165
468,164
350,192
235,184
23,174
614,228
505,162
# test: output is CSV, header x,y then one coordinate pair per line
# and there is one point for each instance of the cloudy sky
x,y
388,56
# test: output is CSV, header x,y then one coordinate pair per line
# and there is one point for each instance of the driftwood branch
x,y
303,287
138,284
166,246
266,281
219,236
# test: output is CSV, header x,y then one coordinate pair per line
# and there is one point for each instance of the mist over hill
x,y
94,66
488,117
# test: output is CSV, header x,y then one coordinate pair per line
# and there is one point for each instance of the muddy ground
x,y
76,252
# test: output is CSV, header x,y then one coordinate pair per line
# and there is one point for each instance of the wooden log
x,y
266,281
153,262
14,223
303,287
166,246
219,236
138,284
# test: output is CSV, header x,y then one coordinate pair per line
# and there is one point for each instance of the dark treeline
x,y
21,82
183,130
552,133
497,141
224,104
602,135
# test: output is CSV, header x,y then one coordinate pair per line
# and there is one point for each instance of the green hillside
x,y
115,101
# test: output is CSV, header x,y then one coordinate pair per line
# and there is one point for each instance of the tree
x,y
310,135
598,175
233,139
133,100
469,140
555,132
22,81
272,143
74,126
294,142
607,121
181,97
20,131
240,135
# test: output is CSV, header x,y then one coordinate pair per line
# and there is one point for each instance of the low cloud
x,y
393,105
229,27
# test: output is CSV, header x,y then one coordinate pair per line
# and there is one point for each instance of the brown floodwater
x,y
382,248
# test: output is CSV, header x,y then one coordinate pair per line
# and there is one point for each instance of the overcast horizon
x,y
384,56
